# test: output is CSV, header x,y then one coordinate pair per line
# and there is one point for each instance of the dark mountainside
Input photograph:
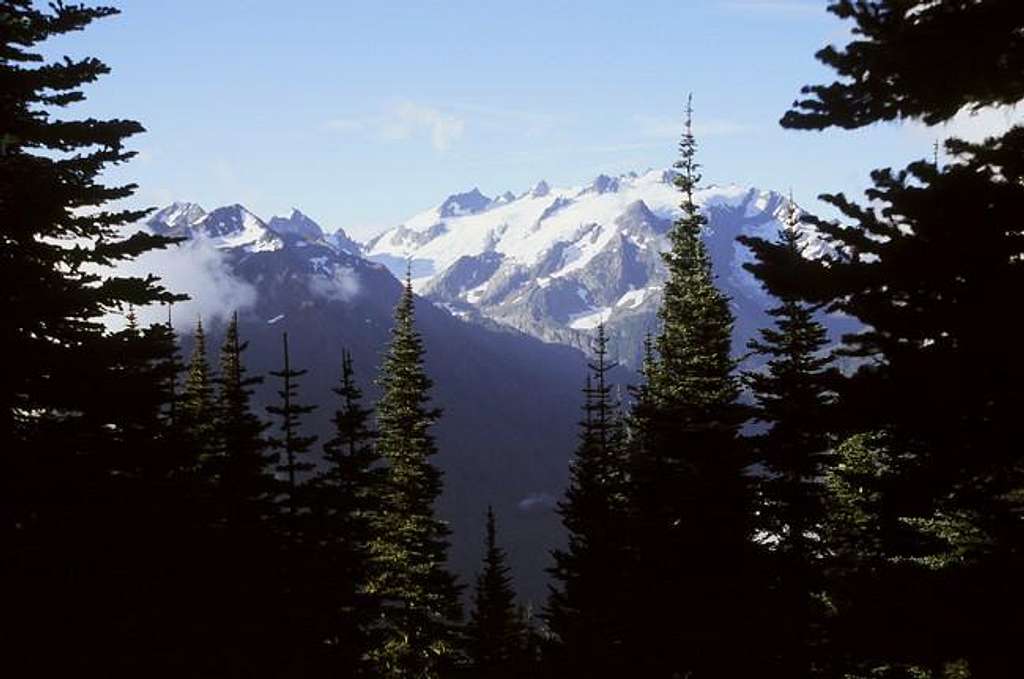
x,y
510,401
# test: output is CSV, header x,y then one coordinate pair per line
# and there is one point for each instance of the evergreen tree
x,y
196,407
347,496
68,474
974,52
792,393
242,465
291,443
930,268
416,631
692,530
584,612
495,633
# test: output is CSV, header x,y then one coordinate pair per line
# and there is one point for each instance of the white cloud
x,y
406,120
196,269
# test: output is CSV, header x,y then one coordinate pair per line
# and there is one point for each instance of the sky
x,y
361,114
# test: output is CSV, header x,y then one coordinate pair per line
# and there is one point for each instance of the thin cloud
x,y
406,120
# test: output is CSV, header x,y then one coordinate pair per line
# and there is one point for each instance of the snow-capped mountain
x,y
555,262
235,226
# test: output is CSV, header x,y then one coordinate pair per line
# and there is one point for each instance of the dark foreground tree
x,y
930,267
415,635
69,482
917,59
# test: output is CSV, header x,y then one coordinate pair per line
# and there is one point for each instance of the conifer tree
x,y
63,503
347,495
291,443
693,540
584,611
929,268
246,593
242,463
494,631
792,394
196,408
415,636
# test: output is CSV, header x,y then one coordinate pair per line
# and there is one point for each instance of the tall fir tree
x,y
584,611
929,269
347,495
793,393
692,537
416,632
495,633
64,509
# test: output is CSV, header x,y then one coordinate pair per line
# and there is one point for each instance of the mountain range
x,y
510,289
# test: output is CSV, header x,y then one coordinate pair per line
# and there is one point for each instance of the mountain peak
x,y
179,215
466,203
603,184
540,190
296,224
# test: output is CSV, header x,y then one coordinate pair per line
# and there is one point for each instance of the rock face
x,y
554,263
510,401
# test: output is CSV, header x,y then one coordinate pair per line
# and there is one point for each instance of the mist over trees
x,y
784,520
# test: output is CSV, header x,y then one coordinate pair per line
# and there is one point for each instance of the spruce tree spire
x,y
494,627
416,636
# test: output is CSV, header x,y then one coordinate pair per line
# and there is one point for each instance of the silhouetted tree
x,y
929,268
495,634
68,480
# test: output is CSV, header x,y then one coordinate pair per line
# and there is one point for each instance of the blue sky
x,y
363,113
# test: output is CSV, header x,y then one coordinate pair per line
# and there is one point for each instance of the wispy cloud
x,y
196,269
406,120
658,127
